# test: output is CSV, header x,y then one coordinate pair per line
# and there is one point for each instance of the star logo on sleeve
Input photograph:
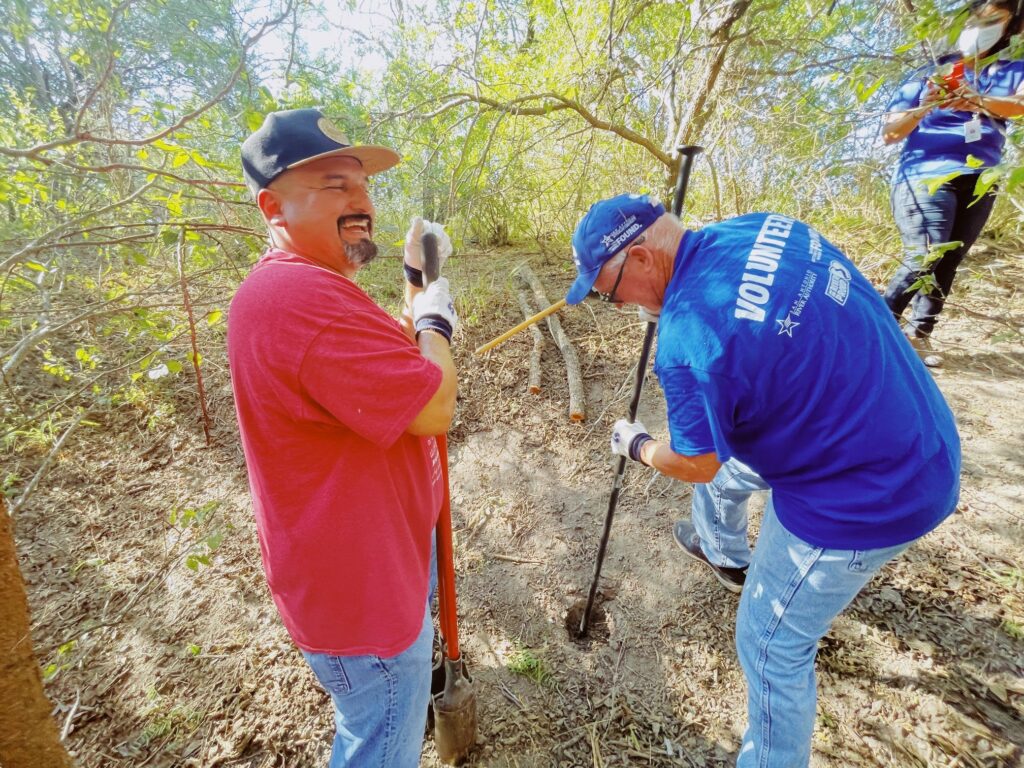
x,y
787,325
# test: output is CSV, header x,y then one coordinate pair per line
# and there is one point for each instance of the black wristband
x,y
434,323
636,444
413,276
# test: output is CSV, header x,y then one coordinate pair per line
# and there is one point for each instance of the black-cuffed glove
x,y
432,310
628,438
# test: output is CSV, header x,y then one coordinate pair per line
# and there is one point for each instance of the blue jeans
x,y
380,704
720,513
925,220
793,593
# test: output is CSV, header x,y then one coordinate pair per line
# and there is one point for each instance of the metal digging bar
x,y
686,154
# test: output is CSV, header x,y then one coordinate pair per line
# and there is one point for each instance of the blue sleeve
x,y
908,95
689,424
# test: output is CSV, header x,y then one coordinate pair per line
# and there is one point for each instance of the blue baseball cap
x,y
608,227
294,137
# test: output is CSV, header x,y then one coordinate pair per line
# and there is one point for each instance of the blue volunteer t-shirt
x,y
938,146
774,349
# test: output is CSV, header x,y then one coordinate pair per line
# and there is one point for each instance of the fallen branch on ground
x,y
577,400
533,386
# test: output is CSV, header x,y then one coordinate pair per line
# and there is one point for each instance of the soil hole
x,y
597,630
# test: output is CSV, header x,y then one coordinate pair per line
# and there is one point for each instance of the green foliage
x,y
1014,629
194,524
119,129
120,126
525,662
165,722
61,662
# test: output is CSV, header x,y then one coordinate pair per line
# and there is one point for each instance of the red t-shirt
x,y
326,384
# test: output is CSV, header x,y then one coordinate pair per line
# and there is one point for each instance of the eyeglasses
x,y
610,296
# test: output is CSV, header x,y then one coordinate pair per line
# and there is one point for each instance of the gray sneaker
x,y
688,541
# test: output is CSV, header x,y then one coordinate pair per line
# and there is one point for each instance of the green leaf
x,y
986,180
194,650
865,92
974,162
214,317
935,183
35,266
174,366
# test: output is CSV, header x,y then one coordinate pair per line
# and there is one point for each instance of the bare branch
x,y
550,102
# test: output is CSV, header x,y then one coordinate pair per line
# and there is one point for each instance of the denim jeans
x,y
720,513
925,220
380,704
793,593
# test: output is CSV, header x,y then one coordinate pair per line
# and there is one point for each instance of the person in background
x,y
774,351
338,404
953,124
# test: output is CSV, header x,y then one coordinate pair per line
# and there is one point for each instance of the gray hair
x,y
662,235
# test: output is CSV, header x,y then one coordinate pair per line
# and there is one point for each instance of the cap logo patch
x,y
614,239
332,132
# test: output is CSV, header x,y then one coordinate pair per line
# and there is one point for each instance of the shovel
x,y
455,706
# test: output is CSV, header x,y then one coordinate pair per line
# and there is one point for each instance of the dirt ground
x,y
160,664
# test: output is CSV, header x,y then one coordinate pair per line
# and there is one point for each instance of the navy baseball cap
x,y
294,137
608,227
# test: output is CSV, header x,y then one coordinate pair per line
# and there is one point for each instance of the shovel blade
x,y
436,686
455,715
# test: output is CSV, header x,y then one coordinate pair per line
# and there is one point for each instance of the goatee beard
x,y
361,253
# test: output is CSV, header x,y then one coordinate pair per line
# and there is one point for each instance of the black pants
x,y
926,220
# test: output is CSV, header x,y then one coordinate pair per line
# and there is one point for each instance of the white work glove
x,y
432,309
628,438
414,243
647,315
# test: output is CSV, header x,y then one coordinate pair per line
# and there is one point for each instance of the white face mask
x,y
976,40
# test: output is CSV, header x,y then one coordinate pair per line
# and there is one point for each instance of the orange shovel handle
x,y
447,615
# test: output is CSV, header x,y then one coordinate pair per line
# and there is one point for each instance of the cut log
x,y
533,385
577,400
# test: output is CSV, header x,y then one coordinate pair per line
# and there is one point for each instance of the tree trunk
x,y
699,109
28,735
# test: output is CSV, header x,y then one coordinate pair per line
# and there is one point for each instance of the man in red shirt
x,y
338,404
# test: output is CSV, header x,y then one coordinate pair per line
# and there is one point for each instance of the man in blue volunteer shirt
x,y
774,351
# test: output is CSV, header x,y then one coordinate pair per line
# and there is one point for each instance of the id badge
x,y
972,129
